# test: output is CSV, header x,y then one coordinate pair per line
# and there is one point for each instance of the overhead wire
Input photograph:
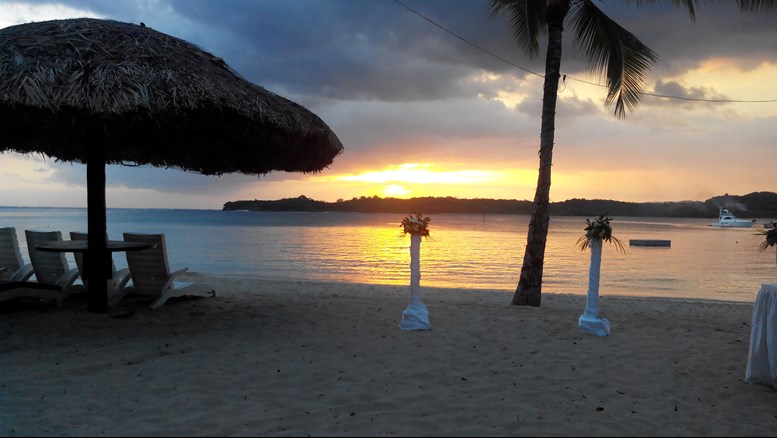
x,y
506,61
668,96
454,34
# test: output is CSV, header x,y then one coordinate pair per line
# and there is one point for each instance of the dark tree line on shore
x,y
752,205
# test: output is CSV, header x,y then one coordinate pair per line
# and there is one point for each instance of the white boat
x,y
727,219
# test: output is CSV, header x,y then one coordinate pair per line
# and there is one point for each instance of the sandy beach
x,y
321,359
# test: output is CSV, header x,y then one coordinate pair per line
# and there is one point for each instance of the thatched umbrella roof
x,y
148,98
98,91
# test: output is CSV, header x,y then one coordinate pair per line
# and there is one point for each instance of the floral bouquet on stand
x,y
416,316
770,238
597,231
415,225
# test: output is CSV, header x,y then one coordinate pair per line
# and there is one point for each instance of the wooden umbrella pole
x,y
98,262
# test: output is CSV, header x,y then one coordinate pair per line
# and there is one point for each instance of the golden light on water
x,y
472,251
376,254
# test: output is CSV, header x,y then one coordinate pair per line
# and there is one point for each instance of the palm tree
x,y
611,52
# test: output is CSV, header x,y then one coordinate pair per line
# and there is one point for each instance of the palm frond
x,y
612,52
583,242
758,5
618,245
526,18
693,5
770,238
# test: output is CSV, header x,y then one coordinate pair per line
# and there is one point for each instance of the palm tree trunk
x,y
529,291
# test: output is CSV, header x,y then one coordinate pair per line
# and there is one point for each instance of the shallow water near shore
x,y
464,251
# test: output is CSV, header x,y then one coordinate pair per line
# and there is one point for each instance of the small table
x,y
83,246
762,358
80,247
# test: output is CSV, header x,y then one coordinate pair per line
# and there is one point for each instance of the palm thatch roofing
x,y
146,98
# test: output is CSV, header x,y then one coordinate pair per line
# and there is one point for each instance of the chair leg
x,y
160,301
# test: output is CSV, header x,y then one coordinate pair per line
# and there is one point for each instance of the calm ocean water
x,y
465,251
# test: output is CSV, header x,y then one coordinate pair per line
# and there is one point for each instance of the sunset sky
x,y
421,112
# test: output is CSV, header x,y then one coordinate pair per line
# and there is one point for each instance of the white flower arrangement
x,y
599,228
770,238
415,225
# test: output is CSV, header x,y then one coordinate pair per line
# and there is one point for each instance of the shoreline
x,y
289,358
506,293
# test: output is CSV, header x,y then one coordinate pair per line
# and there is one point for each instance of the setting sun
x,y
395,191
425,179
409,180
424,173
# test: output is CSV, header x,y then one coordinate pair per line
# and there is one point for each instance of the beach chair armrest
x,y
169,284
22,274
67,280
177,273
121,278
119,289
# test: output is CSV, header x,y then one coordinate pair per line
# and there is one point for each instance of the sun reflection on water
x,y
465,251
475,252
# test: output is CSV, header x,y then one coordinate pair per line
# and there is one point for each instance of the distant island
x,y
753,205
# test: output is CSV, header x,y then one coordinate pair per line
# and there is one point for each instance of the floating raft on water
x,y
650,242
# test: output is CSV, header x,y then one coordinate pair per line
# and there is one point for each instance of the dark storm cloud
x,y
717,31
110,8
356,50
378,49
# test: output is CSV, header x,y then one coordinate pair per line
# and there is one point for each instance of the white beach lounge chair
x,y
51,268
29,289
11,258
116,284
151,274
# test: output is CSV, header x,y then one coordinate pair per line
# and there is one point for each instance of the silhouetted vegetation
x,y
753,205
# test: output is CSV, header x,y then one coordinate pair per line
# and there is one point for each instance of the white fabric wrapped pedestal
x,y
762,357
594,325
589,322
416,316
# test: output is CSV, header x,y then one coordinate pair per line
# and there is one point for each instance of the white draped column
x,y
416,316
589,321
